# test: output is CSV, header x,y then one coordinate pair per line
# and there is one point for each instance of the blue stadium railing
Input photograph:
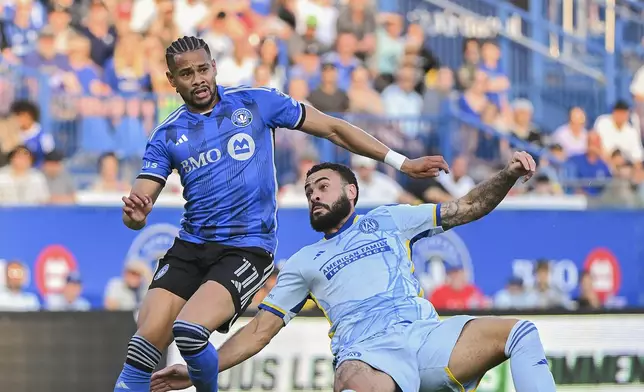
x,y
85,127
547,60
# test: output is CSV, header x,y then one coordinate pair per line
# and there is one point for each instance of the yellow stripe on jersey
x,y
323,311
434,215
421,293
285,313
460,386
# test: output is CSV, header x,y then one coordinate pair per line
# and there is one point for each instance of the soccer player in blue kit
x,y
384,335
221,142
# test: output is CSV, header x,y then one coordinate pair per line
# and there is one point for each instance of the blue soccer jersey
x,y
361,277
225,159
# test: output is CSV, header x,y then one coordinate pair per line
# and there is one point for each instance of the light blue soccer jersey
x,y
362,276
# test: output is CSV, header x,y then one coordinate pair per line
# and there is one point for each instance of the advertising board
x,y
601,353
94,241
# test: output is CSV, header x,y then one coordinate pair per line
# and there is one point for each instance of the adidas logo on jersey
x,y
182,139
121,385
237,285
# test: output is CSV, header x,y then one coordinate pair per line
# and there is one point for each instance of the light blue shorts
x,y
415,355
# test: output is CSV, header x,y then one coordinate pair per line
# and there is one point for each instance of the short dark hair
x,y
583,274
183,45
104,156
28,107
542,265
621,105
345,172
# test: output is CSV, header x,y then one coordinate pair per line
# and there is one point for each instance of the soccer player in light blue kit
x,y
384,336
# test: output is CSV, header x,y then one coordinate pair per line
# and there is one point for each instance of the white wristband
x,y
394,159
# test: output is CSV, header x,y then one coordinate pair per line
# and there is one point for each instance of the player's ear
x,y
352,192
170,77
214,66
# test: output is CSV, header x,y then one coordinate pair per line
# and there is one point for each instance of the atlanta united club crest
x,y
242,117
369,226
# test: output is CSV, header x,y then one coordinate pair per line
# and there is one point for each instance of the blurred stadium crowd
x,y
125,292
82,83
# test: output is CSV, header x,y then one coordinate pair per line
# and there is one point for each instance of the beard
x,y
198,104
340,209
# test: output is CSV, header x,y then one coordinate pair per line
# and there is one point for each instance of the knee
x,y
523,333
190,338
344,376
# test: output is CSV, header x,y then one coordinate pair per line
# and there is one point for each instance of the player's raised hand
x,y
137,206
424,167
522,165
172,378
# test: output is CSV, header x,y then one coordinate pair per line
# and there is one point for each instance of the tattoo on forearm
x,y
479,202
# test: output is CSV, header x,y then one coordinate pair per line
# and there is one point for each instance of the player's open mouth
x,y
318,209
202,93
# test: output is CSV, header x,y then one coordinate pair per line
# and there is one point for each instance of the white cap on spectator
x,y
522,104
360,161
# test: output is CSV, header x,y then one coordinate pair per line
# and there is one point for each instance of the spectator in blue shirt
x,y
87,73
20,32
125,73
589,169
308,67
36,12
32,134
100,32
498,83
45,58
344,59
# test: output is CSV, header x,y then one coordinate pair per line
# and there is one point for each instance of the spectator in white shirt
x,y
238,68
325,14
514,296
637,89
402,101
13,298
292,195
457,183
20,183
573,136
377,188
69,299
618,133
127,291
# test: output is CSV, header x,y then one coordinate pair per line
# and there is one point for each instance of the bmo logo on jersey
x,y
241,146
204,159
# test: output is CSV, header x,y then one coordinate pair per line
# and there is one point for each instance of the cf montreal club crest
x,y
242,117
241,146
432,256
152,243
368,226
